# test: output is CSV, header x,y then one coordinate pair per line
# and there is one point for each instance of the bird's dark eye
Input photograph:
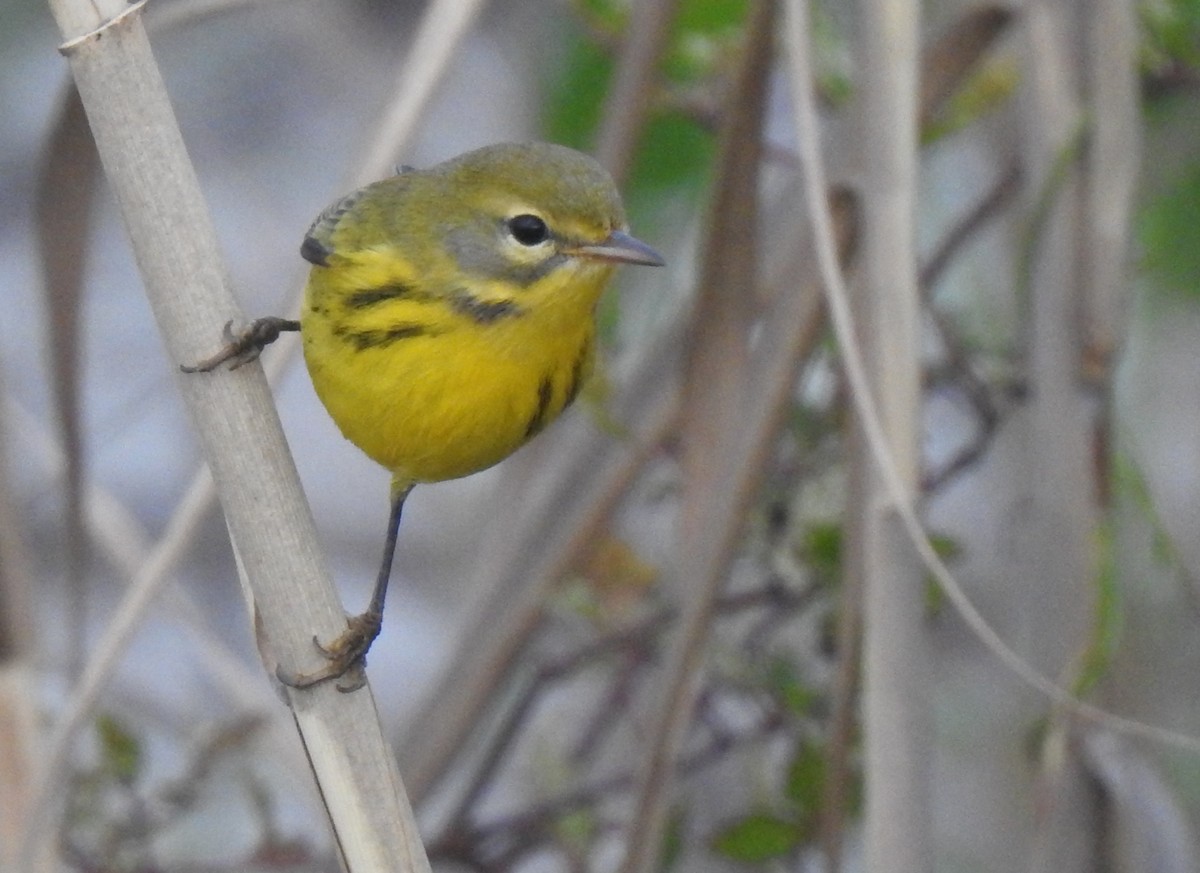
x,y
528,230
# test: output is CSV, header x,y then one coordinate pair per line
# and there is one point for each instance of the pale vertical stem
x,y
796,41
1052,578
175,246
442,28
20,762
896,709
1110,176
440,32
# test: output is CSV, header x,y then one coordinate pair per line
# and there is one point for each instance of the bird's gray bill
x,y
623,248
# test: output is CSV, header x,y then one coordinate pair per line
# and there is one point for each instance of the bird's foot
x,y
244,347
346,655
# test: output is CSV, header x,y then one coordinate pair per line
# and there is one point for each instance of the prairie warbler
x,y
449,317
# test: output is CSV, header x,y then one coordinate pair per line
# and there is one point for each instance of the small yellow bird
x,y
449,317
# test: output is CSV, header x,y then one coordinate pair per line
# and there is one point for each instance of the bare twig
x,y
590,472
796,40
504,840
717,483
630,97
896,648
438,36
20,761
965,228
958,359
440,30
1110,173
66,190
956,53
177,253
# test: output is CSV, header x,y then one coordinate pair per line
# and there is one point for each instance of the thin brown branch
x,y
66,190
503,841
630,98
964,230
583,480
716,486
957,357
636,646
947,63
634,638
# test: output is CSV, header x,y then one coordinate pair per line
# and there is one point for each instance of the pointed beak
x,y
621,248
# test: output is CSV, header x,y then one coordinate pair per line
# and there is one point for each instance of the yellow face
x,y
524,212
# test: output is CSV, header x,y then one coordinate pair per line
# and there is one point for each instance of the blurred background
x,y
535,606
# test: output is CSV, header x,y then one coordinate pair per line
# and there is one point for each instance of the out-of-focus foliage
x,y
1171,34
120,750
986,91
1170,235
760,836
783,680
1169,226
793,821
677,145
1106,629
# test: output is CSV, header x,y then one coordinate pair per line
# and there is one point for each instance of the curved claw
x,y
245,347
344,654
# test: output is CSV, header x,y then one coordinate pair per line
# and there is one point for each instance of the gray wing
x,y
318,245
318,241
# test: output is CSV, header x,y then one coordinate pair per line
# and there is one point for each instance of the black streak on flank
x,y
370,296
538,420
379,339
483,311
577,375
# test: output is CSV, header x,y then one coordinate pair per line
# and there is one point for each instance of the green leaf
x,y
1170,235
706,31
1105,637
710,16
947,549
577,96
577,828
982,94
1170,33
756,838
120,750
674,150
673,840
783,680
806,778
822,549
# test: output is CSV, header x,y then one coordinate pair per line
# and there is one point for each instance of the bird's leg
x,y
246,346
350,649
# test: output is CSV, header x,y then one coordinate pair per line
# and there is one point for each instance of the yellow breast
x,y
437,381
